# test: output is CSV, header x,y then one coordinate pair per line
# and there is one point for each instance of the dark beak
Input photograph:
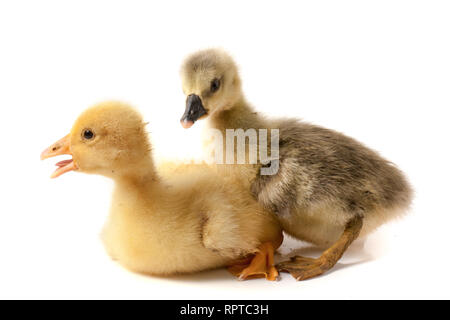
x,y
194,111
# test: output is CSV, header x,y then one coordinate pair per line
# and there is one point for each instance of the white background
x,y
376,70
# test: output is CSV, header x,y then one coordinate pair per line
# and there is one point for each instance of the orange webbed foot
x,y
303,268
261,265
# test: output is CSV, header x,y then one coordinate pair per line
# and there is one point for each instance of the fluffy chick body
x,y
192,223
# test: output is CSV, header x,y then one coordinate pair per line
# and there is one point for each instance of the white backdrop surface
x,y
376,70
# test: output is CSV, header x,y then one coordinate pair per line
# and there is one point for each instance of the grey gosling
x,y
329,188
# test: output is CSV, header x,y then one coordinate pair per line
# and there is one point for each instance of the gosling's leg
x,y
302,268
260,265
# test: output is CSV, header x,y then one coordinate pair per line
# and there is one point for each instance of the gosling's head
x,y
108,139
211,83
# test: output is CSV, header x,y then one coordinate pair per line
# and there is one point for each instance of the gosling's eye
x,y
88,134
215,85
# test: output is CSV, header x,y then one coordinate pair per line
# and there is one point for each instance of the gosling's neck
x,y
238,116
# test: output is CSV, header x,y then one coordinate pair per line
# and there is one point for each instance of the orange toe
x,y
261,265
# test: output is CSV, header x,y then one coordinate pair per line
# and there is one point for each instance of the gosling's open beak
x,y
60,147
194,111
